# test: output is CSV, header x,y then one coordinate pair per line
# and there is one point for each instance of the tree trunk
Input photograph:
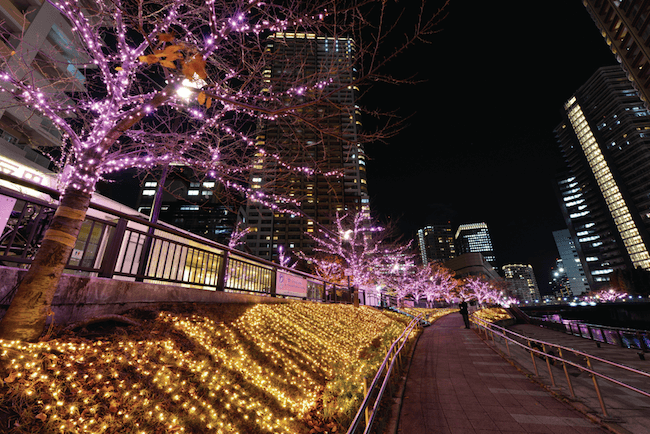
x,y
26,316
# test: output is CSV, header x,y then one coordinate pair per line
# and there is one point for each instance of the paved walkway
x,y
457,384
627,411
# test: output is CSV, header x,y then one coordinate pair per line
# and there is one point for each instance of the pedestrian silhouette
x,y
464,312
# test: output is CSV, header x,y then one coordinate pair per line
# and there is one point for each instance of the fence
x,y
623,337
368,409
118,245
553,354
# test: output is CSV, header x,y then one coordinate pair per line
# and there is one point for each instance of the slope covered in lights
x,y
281,368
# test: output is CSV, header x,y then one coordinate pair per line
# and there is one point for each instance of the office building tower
x,y
522,278
436,243
581,205
333,147
189,203
475,238
559,281
605,140
570,263
625,25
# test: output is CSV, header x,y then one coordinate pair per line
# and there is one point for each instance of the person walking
x,y
464,312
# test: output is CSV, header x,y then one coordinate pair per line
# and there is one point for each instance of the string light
x,y
264,372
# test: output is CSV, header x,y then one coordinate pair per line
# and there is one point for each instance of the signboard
x,y
6,206
289,284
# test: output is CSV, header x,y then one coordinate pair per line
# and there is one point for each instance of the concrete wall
x,y
81,298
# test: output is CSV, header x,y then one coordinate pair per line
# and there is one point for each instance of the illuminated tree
x,y
285,258
481,289
442,283
237,236
329,267
363,250
610,295
148,83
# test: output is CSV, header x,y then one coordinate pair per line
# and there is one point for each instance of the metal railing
x,y
375,392
620,336
117,245
557,354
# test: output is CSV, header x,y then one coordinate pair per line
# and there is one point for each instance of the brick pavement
x,y
457,384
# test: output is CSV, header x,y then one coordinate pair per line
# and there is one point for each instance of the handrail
x,y
503,333
392,356
137,219
615,336
133,241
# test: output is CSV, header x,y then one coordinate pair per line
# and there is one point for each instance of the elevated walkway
x,y
458,383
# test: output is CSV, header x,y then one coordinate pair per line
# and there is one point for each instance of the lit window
x,y
151,184
207,193
148,192
192,192
209,184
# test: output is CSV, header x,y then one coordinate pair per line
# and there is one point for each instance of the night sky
x,y
479,145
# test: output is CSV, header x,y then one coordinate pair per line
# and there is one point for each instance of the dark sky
x,y
480,141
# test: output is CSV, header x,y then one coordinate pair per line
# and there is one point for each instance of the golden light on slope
x,y
269,371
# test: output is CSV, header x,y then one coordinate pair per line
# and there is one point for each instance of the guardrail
x,y
623,337
568,357
368,409
122,246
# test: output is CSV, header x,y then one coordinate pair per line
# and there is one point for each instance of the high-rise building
x,y
605,140
333,146
189,203
35,34
625,25
570,263
436,243
523,280
475,238
559,281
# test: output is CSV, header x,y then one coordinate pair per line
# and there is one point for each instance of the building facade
x,y
522,279
34,34
605,140
570,264
559,281
436,243
188,203
472,264
333,146
475,238
625,25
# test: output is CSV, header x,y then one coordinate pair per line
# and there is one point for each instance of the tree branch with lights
x,y
145,84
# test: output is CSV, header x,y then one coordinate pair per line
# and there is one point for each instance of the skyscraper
x,y
475,238
189,203
559,280
625,25
605,140
571,265
436,242
334,147
523,279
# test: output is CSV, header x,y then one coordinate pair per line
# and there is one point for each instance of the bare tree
x,y
149,83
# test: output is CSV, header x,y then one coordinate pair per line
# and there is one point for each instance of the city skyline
x,y
480,136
